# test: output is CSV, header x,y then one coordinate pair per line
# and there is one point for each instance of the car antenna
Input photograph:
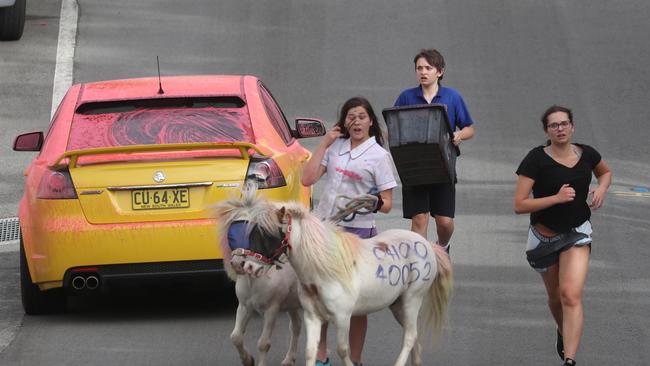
x,y
160,89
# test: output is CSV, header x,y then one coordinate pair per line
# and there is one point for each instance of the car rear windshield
x,y
160,121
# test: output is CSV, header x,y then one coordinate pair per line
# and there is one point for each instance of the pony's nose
x,y
248,268
238,265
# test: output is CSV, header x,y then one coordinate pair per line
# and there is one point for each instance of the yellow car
x,y
122,187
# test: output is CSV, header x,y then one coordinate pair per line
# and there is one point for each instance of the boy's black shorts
x,y
437,199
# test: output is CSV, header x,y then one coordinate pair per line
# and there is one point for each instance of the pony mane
x,y
330,252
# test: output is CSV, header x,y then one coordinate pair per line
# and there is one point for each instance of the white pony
x,y
342,275
275,291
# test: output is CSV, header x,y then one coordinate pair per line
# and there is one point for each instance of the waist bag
x,y
548,251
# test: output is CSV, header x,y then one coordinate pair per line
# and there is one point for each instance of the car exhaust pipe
x,y
92,282
78,283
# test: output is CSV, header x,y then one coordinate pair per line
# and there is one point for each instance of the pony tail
x,y
440,292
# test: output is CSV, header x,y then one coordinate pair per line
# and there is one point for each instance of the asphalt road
x,y
510,59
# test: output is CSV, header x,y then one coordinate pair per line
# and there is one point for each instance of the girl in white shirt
x,y
352,156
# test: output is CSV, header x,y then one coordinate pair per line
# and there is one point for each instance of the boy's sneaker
x,y
569,362
321,363
559,345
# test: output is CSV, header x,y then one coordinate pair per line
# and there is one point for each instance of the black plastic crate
x,y
420,141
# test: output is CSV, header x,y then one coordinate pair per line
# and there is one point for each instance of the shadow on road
x,y
155,302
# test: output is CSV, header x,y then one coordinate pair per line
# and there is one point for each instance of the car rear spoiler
x,y
74,155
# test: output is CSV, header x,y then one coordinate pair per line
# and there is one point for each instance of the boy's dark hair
x,y
433,57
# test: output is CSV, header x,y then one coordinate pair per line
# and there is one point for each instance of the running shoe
x,y
559,345
569,362
321,363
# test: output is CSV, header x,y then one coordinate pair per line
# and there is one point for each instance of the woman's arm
x,y
525,204
604,176
387,197
313,170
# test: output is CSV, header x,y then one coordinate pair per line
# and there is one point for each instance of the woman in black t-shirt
x,y
559,237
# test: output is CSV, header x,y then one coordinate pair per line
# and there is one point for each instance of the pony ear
x,y
280,213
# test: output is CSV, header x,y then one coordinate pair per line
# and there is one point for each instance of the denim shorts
x,y
535,239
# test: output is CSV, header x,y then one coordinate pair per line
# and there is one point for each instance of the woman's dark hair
x,y
552,109
375,129
433,57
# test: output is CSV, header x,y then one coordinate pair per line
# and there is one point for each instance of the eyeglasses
x,y
556,125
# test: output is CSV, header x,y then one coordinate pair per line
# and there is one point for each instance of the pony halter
x,y
260,258
285,245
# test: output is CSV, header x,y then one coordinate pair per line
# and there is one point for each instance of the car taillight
x,y
56,184
265,173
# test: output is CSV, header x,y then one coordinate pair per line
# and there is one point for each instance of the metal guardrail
x,y
9,229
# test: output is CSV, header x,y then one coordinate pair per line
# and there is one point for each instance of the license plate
x,y
157,199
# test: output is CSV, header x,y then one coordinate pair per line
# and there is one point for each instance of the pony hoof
x,y
289,362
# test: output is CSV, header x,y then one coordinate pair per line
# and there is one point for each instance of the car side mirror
x,y
32,141
308,127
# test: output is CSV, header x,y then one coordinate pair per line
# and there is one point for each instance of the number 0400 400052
x,y
417,266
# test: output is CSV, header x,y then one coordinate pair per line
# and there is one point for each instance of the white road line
x,y
63,76
63,71
632,194
7,335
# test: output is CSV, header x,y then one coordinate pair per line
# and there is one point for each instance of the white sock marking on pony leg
x,y
410,310
295,323
312,329
342,320
264,342
237,335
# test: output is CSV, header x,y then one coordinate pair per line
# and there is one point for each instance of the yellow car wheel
x,y
35,301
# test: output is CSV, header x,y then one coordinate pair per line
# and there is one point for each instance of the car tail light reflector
x,y
56,184
265,173
84,269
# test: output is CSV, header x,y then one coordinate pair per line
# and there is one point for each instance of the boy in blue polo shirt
x,y
437,200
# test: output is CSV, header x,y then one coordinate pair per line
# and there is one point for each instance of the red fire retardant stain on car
x,y
158,126
79,224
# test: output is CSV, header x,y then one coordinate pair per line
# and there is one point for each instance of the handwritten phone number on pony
x,y
407,273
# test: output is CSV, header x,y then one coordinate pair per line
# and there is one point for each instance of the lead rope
x,y
360,205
